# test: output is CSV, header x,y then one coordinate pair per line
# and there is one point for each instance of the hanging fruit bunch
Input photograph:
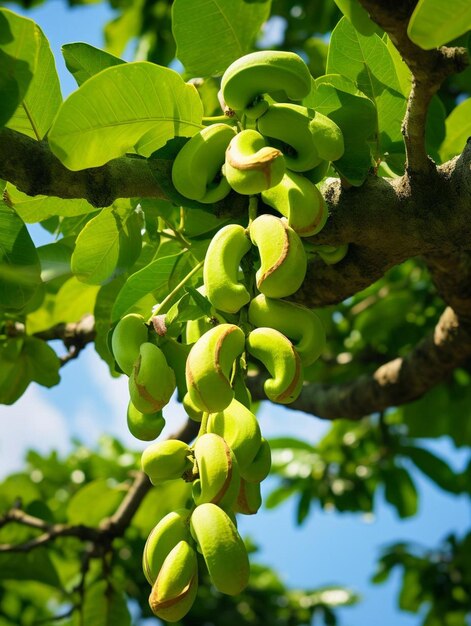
x,y
275,154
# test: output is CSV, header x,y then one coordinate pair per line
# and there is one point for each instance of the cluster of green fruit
x,y
247,273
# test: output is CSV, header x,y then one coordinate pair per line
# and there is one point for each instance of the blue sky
x,y
328,548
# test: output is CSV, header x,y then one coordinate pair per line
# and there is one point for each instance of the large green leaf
x,y
84,61
18,51
34,209
434,467
400,491
93,502
130,107
34,115
104,606
151,278
34,565
211,34
458,129
355,114
108,245
367,62
435,22
19,263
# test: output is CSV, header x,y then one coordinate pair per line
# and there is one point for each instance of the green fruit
x,y
176,354
301,325
280,358
166,460
196,171
191,409
300,202
317,173
331,254
327,136
283,260
221,268
222,548
152,381
263,72
144,426
251,165
249,498
260,467
130,332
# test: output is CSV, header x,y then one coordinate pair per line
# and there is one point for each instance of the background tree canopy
x,y
90,178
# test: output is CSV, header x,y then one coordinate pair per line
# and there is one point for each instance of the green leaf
x,y
93,502
18,51
434,467
42,362
435,22
104,606
338,98
38,208
131,107
19,262
151,278
74,300
367,62
411,595
35,114
458,129
33,565
400,491
108,245
55,260
84,61
126,26
211,34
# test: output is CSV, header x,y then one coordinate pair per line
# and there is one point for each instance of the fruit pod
x,y
196,171
249,498
290,125
280,358
170,530
166,460
209,366
144,426
175,354
251,165
130,332
331,254
301,325
222,548
174,590
300,201
221,268
263,72
327,136
260,467
283,260
152,381
240,429
195,413
218,473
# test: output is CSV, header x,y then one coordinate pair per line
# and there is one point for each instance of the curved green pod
x,y
301,325
130,332
260,467
196,171
327,136
166,460
144,426
251,165
240,429
318,173
174,590
249,498
222,548
300,201
169,531
283,259
280,358
331,254
152,381
218,471
221,268
287,126
263,72
209,365
176,354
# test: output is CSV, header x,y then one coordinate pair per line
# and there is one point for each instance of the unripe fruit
x,y
222,548
144,426
249,498
196,172
327,136
166,460
300,201
263,72
331,254
195,413
283,260
130,332
152,381
221,268
251,165
174,591
301,325
316,174
209,366
176,354
260,467
279,356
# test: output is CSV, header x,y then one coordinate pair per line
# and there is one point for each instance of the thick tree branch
x,y
394,383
